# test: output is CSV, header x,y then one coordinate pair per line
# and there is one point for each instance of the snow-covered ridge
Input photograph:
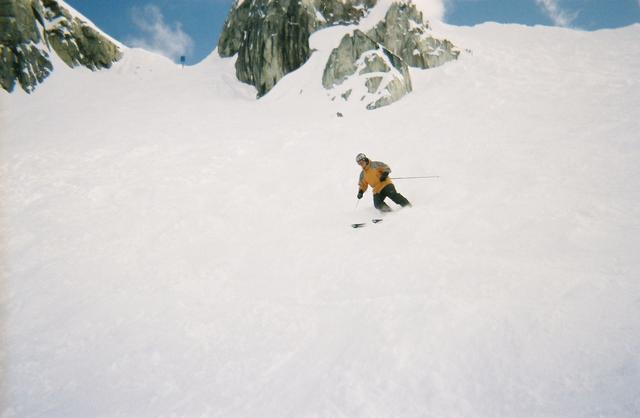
x,y
88,22
267,50
39,30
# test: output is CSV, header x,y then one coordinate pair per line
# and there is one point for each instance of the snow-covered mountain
x,y
171,246
271,39
32,31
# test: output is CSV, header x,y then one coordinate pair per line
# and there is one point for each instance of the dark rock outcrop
x,y
31,29
23,58
384,74
379,59
271,37
405,32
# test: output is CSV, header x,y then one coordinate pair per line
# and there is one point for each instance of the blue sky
x,y
192,27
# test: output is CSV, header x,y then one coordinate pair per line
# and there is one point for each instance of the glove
x,y
359,194
384,176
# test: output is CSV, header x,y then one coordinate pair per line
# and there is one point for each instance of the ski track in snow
x,y
173,247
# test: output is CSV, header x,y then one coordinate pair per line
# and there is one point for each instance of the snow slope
x,y
173,247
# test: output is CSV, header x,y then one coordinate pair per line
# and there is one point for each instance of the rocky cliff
x,y
30,30
379,59
405,32
384,75
271,37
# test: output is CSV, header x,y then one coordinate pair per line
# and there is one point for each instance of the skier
x,y
376,175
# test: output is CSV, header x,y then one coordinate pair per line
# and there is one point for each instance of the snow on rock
x,y
37,31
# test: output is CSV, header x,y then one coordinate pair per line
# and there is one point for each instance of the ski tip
x,y
357,225
376,220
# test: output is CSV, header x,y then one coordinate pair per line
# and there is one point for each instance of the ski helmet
x,y
360,157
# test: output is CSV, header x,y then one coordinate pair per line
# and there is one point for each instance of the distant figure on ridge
x,y
376,175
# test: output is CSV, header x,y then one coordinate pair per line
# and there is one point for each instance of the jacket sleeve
x,y
362,183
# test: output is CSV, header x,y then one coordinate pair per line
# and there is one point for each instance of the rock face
x,y
405,32
30,29
384,74
271,37
379,59
22,56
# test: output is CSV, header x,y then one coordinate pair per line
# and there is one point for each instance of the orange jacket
x,y
370,176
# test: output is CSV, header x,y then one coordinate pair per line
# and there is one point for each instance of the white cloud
x,y
157,36
433,9
556,14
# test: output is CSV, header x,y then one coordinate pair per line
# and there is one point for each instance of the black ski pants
x,y
390,192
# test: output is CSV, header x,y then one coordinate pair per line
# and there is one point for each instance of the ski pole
x,y
415,177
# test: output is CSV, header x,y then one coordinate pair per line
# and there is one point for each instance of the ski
x,y
360,225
